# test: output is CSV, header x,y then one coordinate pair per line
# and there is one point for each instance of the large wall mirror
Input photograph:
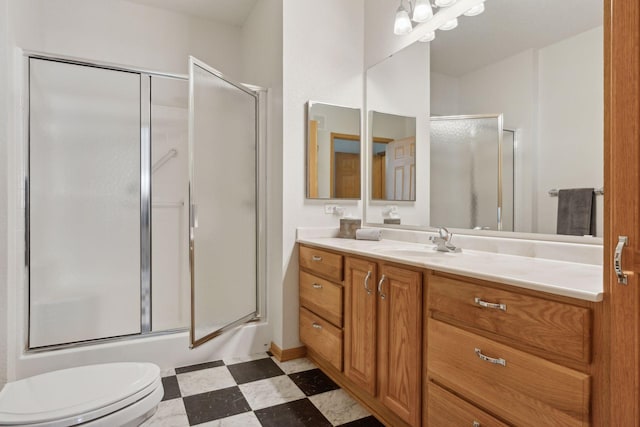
x,y
512,138
333,151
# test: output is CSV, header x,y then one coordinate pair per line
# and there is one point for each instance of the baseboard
x,y
288,353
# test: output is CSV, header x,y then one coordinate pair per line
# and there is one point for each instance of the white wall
x,y
126,33
445,94
323,61
4,187
570,149
262,65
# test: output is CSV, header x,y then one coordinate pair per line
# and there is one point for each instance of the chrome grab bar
x,y
164,159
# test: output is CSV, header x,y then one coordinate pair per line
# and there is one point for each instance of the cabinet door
x,y
360,323
399,341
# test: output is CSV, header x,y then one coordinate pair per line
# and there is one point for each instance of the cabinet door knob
x,y
495,361
382,295
317,286
475,424
316,258
316,325
485,304
366,283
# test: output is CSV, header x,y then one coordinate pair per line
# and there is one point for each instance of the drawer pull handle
x,y
498,361
317,286
316,258
475,424
485,304
316,325
382,295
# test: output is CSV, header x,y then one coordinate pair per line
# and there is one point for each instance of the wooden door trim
x,y
312,159
621,319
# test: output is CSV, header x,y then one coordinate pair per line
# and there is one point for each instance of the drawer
x,y
321,337
551,326
322,297
321,262
445,409
526,391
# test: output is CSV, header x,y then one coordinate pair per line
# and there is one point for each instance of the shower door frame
x,y
145,197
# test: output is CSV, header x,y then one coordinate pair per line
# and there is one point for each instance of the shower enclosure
x,y
472,172
142,198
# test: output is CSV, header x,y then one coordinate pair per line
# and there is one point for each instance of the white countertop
x,y
571,279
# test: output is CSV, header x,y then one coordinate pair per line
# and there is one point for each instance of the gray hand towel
x,y
576,212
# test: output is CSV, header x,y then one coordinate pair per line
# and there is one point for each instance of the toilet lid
x,y
74,392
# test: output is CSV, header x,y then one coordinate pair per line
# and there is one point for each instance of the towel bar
x,y
554,192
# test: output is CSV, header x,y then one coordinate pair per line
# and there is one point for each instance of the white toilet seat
x,y
109,394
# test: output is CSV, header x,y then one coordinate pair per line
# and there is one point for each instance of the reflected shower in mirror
x,y
333,151
548,87
472,169
393,156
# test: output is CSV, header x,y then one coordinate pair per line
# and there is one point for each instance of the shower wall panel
x,y
84,203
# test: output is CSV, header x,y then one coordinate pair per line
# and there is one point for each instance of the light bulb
x,y
449,25
422,11
402,23
444,3
430,36
475,10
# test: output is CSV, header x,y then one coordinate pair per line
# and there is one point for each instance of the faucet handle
x,y
444,234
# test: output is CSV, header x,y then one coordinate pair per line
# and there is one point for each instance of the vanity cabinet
x,y
521,358
321,306
383,334
427,348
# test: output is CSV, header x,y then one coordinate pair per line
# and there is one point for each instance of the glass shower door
x,y
84,203
466,172
223,202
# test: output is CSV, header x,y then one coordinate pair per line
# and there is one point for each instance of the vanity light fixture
x,y
475,10
402,24
449,25
428,37
444,3
419,11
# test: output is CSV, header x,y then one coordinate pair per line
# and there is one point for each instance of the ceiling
x,y
508,27
232,12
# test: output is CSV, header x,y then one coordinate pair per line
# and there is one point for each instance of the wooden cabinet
x,y
425,348
383,334
360,322
522,358
321,307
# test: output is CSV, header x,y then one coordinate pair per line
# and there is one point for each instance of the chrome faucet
x,y
443,241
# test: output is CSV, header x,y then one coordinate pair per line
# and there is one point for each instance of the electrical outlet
x,y
330,209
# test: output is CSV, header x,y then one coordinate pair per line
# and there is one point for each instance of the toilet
x,y
112,394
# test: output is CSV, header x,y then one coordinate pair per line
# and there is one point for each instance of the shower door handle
x,y
194,216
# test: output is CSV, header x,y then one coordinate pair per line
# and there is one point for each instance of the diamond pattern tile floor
x,y
256,390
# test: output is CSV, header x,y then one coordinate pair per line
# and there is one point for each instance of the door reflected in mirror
x,y
333,151
393,159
